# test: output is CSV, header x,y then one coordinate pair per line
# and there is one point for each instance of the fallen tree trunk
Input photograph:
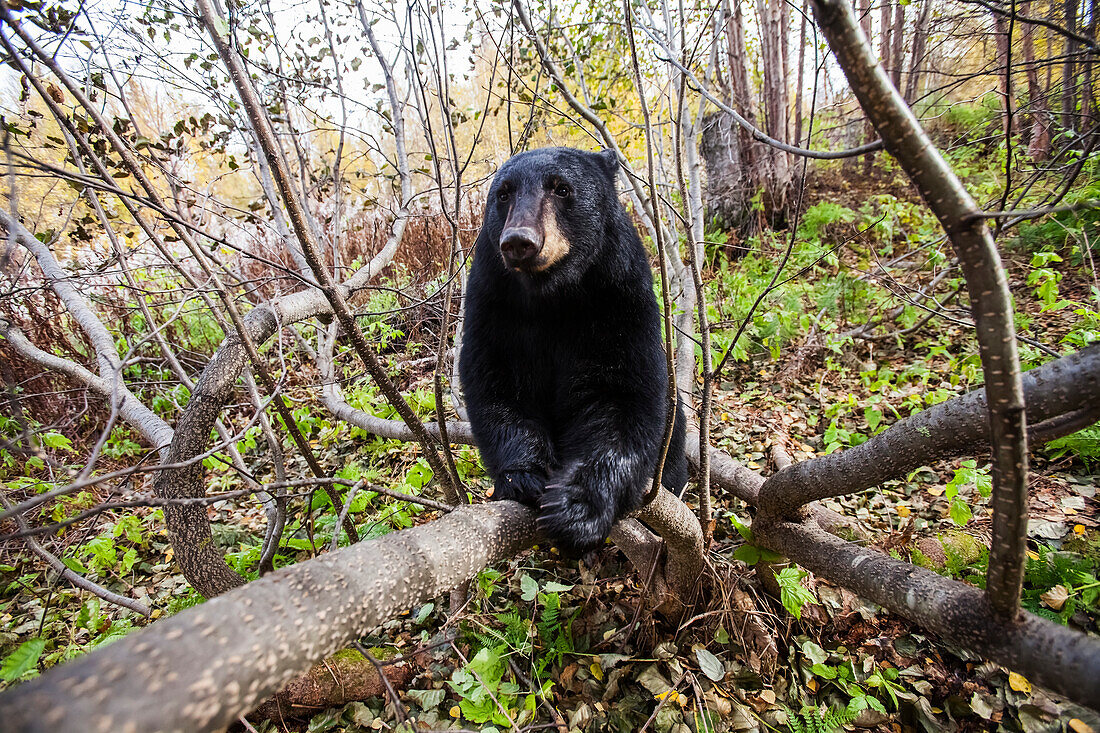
x,y
202,669
1048,654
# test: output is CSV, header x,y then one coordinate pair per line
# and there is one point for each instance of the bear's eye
x,y
503,195
562,191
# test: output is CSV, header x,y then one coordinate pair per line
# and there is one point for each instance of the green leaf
x,y
553,587
748,554
57,441
873,417
792,594
528,587
117,630
22,660
419,475
742,529
960,511
424,612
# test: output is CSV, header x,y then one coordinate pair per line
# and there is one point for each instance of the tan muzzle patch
x,y
554,244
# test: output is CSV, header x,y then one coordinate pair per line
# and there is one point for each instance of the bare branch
x,y
991,301
75,578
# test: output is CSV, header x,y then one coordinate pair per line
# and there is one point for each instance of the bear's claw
x,y
570,521
522,486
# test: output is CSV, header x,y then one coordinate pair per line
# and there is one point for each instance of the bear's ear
x,y
610,161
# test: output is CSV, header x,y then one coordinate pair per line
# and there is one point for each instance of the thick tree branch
x,y
140,417
990,299
210,664
949,429
1048,654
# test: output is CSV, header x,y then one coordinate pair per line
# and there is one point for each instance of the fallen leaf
x,y
1055,598
761,701
1018,682
1079,726
711,665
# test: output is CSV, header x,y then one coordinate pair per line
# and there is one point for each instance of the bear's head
x,y
548,213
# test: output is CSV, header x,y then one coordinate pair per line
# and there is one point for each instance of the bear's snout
x,y
520,246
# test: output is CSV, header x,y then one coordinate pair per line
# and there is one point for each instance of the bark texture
x,y
952,428
1046,653
201,669
729,189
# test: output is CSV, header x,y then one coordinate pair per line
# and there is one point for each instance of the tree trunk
x,y
1000,33
1088,106
774,72
799,75
1038,117
867,23
897,45
731,156
729,188
916,58
886,29
1069,74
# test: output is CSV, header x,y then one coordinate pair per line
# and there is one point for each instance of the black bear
x,y
562,361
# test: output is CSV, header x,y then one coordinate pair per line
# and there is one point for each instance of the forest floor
x,y
568,645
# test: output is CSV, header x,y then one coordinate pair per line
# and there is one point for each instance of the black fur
x,y
564,370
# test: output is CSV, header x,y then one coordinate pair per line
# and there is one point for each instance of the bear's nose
x,y
519,245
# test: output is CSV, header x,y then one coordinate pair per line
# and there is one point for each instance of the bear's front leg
x,y
516,450
580,506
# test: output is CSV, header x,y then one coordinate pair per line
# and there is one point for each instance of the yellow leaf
x,y
455,711
812,684
1078,529
597,671
903,511
1079,726
935,490
1018,682
157,613
1033,555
